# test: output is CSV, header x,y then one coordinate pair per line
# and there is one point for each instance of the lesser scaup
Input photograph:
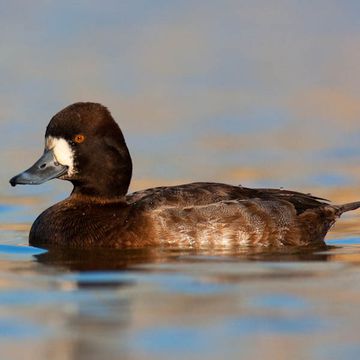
x,y
84,145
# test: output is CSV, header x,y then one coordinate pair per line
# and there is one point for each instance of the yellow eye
x,y
79,138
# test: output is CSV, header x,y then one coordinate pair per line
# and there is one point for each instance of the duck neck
x,y
106,185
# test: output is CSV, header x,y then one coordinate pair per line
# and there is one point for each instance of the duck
x,y
84,145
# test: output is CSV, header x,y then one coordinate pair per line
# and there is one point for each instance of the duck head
x,y
84,145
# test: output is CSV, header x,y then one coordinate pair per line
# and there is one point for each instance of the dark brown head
x,y
84,145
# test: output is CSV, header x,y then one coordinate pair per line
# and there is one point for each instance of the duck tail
x,y
348,207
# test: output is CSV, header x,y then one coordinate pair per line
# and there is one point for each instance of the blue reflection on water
x,y
179,283
34,298
331,179
206,338
279,302
6,207
165,339
20,329
275,324
351,241
20,250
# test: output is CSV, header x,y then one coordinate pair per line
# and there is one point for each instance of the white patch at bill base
x,y
63,152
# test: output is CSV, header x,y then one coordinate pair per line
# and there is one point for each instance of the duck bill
x,y
46,168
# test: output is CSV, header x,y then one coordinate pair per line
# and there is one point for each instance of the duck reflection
x,y
132,259
117,306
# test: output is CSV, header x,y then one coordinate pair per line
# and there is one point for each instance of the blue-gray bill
x,y
46,168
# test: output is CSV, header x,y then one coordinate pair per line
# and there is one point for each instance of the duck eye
x,y
79,138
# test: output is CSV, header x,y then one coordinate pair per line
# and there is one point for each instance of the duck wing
x,y
204,193
213,214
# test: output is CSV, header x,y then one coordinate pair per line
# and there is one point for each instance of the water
x,y
162,304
